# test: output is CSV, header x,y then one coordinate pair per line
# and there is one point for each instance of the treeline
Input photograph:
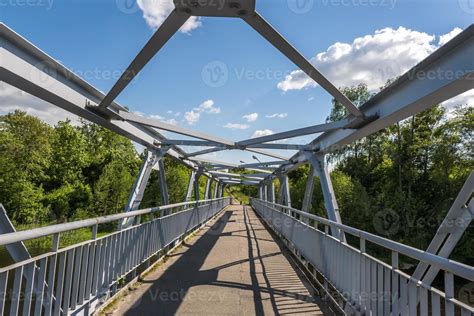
x,y
401,181
66,172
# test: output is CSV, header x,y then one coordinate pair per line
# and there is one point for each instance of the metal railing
x,y
79,278
368,285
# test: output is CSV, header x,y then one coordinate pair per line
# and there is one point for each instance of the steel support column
x,y
136,195
163,185
216,189
208,189
197,194
284,191
271,192
308,193
330,202
189,190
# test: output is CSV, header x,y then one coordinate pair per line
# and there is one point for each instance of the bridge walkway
x,y
234,266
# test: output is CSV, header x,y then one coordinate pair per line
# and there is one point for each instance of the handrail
x,y
454,267
18,236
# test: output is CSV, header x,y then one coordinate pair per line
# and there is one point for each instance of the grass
x,y
239,195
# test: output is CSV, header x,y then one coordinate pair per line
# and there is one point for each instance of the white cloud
x,y
465,99
192,117
371,59
208,107
251,117
12,99
171,121
443,39
277,115
260,133
155,116
236,126
156,11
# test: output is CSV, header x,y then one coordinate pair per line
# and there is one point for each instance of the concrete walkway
x,y
232,267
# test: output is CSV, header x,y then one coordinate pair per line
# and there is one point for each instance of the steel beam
x,y
330,202
279,146
263,164
259,24
295,133
130,117
449,233
17,251
166,30
185,142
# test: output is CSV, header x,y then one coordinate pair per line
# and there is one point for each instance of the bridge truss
x,y
29,69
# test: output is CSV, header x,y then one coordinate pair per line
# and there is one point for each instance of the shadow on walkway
x,y
242,274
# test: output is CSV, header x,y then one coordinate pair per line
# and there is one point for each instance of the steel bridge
x,y
284,253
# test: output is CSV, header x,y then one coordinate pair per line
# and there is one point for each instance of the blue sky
x,y
359,41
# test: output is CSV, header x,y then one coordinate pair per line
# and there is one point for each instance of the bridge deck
x,y
233,267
